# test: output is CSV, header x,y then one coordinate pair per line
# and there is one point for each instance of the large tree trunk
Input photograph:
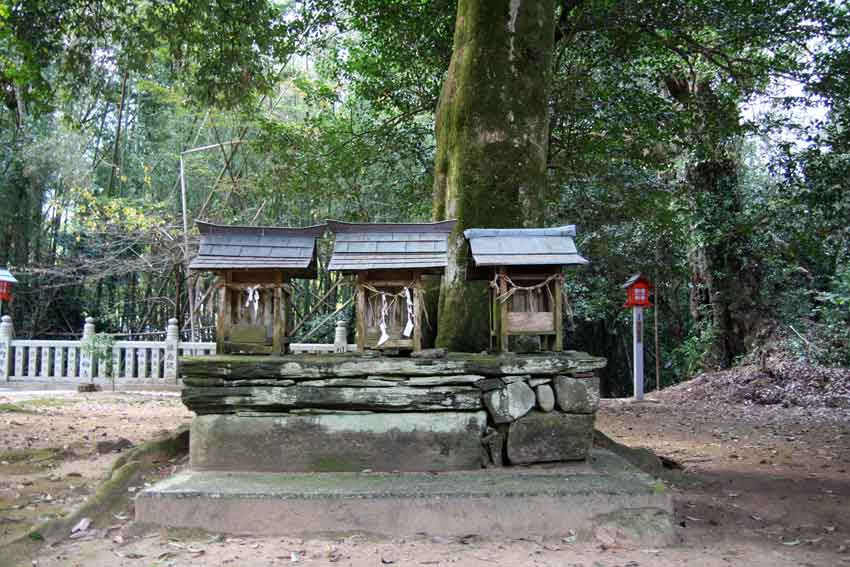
x,y
725,273
492,136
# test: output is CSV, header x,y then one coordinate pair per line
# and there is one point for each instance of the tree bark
x,y
492,138
725,271
116,146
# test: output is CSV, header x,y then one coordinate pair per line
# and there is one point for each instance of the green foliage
x,y
11,408
400,53
336,104
99,348
222,53
691,356
345,160
320,329
832,331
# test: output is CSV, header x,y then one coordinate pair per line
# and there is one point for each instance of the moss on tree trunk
x,y
725,272
492,134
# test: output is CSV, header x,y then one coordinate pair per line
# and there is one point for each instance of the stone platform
x,y
603,492
347,413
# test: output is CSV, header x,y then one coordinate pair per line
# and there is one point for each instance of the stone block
x,y
545,397
494,447
515,378
547,437
312,367
460,380
509,403
429,353
577,395
437,441
275,400
490,384
602,496
369,382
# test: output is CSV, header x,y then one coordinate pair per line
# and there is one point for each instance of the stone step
x,y
517,502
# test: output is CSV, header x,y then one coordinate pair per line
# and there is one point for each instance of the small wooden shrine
x,y
525,270
389,261
254,267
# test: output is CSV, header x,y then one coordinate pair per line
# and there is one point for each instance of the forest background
x,y
703,143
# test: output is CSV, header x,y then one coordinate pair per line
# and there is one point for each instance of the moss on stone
x,y
642,458
330,360
109,497
316,359
163,448
46,402
112,495
33,460
336,463
635,526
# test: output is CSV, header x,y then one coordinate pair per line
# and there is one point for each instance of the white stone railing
x,y
141,362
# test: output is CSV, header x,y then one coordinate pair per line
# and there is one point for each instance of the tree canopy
x,y
703,143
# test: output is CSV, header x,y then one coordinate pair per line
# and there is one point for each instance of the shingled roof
x,y
524,246
6,276
225,247
389,246
634,279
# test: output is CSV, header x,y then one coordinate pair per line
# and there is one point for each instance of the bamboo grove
x,y
702,143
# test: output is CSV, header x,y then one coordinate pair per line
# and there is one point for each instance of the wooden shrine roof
x,y
635,279
227,247
366,246
524,246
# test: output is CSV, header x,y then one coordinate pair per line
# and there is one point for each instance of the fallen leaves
x,y
81,526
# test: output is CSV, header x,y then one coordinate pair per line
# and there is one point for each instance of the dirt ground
x,y
761,486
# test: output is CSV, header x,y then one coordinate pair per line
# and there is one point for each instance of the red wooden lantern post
x,y
7,281
637,297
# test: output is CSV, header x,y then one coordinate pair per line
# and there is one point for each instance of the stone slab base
x,y
338,442
605,493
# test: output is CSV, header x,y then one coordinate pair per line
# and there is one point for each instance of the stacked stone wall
x,y
354,413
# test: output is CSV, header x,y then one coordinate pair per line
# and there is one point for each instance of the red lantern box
x,y
637,291
5,291
7,280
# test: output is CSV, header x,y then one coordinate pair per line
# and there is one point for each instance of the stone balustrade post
x,y
87,353
7,333
341,336
172,342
